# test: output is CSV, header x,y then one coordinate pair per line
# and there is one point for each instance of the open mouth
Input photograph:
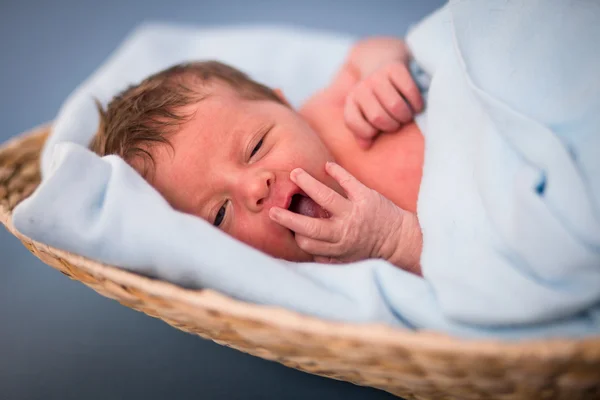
x,y
304,205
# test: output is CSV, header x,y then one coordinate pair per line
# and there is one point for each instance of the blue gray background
x,y
59,339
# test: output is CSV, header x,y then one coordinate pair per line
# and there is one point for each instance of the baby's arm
x,y
385,96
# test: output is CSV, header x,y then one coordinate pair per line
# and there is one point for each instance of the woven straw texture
x,y
423,365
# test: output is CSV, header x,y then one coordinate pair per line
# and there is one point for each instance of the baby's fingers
x,y
352,186
322,250
374,110
358,124
393,101
322,194
316,228
403,81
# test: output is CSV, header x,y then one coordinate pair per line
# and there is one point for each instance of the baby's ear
x,y
281,96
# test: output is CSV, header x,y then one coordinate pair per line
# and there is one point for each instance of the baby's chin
x,y
292,253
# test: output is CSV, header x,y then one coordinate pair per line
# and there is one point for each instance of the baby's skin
x,y
249,166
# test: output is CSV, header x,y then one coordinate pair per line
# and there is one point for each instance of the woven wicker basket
x,y
413,365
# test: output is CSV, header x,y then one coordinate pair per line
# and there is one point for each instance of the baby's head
x,y
217,145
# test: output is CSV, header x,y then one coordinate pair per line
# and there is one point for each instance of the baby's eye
x,y
256,148
220,216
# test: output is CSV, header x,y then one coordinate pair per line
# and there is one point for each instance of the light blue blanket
x,y
509,204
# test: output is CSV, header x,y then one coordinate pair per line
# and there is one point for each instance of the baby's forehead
x,y
221,118
223,114
211,124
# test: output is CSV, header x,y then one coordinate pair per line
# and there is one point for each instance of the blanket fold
x,y
509,202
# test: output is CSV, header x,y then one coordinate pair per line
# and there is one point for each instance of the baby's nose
x,y
257,190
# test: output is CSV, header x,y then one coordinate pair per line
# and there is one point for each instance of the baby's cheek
x,y
260,235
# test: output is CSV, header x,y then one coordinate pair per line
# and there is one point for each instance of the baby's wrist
x,y
404,244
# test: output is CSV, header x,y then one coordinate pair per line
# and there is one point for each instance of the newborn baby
x,y
335,181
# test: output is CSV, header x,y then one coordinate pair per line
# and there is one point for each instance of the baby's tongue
x,y
306,206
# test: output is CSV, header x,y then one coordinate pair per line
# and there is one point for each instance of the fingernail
x,y
329,165
274,213
294,174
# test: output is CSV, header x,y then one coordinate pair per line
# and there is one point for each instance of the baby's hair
x,y
144,115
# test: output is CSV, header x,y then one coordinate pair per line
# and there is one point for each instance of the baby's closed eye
x,y
220,215
257,147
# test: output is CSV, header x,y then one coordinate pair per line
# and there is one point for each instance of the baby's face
x,y
231,163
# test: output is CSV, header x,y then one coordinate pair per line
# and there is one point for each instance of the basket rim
x,y
285,319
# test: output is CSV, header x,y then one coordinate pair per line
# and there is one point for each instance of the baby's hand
x,y
382,102
365,225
